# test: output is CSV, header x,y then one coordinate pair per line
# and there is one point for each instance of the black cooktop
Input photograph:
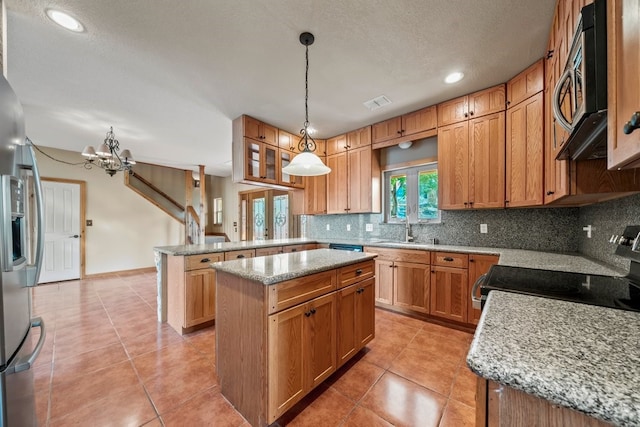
x,y
606,291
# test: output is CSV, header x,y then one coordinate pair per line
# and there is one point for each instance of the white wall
x,y
125,228
231,207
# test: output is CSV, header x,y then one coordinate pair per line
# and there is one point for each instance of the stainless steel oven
x,y
580,96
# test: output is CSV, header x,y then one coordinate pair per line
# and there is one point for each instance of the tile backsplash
x,y
607,218
555,230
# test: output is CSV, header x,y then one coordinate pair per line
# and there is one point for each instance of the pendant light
x,y
306,163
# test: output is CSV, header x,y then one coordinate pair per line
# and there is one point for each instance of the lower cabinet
x,y
503,406
302,351
191,290
412,283
449,296
356,325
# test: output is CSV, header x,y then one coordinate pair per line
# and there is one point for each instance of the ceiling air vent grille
x,y
375,103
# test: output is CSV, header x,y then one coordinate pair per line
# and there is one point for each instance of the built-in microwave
x,y
580,96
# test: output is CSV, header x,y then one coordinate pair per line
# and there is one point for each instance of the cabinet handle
x,y
632,124
360,290
399,132
307,313
470,203
508,102
550,193
448,259
240,256
205,260
294,250
471,259
550,54
465,203
466,115
358,272
313,311
433,271
471,113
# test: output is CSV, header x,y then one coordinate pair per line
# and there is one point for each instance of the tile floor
x,y
107,362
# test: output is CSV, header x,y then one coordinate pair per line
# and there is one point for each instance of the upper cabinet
x,y
255,129
478,104
526,84
359,138
337,144
623,51
416,125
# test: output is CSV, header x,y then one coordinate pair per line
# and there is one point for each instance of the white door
x,y
61,259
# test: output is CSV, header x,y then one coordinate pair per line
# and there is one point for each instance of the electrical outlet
x,y
328,227
89,223
348,227
368,227
483,228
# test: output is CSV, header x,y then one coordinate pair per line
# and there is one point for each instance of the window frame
x,y
412,173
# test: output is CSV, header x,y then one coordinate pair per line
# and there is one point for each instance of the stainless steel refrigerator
x,y
21,245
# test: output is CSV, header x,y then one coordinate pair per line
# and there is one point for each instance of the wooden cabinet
x,y
260,131
260,162
526,84
504,406
288,141
302,351
299,248
284,158
356,325
478,265
449,284
471,163
292,335
269,251
239,254
191,284
315,193
478,104
415,125
359,138
402,278
623,58
337,144
524,155
353,185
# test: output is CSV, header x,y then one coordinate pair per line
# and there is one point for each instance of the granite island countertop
x,y
571,262
579,356
274,269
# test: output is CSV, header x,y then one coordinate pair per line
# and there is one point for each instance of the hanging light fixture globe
x,y
306,163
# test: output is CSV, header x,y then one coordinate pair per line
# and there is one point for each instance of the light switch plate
x,y
483,228
348,227
328,227
368,227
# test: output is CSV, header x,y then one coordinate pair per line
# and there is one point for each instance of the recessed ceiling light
x,y
65,20
454,77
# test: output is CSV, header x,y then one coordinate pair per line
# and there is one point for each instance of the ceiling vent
x,y
375,103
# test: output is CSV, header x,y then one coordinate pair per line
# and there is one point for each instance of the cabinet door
x,y
365,312
269,251
269,134
200,296
251,128
346,333
320,339
453,166
453,111
525,153
359,138
288,142
286,357
449,297
359,180
412,286
623,58
315,194
337,184
486,101
526,84
261,162
384,281
336,145
478,265
486,161
284,158
556,172
419,121
387,130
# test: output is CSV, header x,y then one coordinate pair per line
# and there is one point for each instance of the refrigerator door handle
x,y
24,363
33,272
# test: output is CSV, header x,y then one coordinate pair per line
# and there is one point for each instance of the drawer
x,y
450,259
407,255
299,248
269,251
245,253
355,272
297,291
194,262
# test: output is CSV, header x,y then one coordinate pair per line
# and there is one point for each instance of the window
x,y
217,210
412,193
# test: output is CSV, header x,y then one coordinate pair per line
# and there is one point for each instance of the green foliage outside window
x,y
428,195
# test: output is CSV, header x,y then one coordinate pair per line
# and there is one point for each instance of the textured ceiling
x,y
170,76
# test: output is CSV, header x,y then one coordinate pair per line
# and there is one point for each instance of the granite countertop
x,y
571,262
576,355
274,269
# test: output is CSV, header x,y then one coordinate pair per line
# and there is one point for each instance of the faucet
x,y
407,232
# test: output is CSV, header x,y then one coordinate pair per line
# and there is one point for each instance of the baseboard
x,y
120,273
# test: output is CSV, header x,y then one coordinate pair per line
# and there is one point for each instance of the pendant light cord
x,y
306,90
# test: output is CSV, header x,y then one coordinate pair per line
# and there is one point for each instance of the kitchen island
x,y
556,363
286,322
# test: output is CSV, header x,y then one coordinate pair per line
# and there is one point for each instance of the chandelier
x,y
306,163
107,157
